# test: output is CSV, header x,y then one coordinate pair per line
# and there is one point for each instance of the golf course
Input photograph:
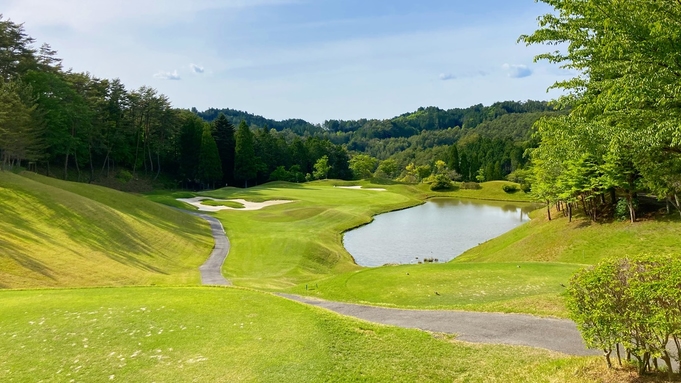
x,y
100,285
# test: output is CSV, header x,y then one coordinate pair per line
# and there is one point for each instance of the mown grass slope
x,y
57,233
227,335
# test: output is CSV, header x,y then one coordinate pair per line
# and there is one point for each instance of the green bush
x,y
470,185
510,188
440,182
124,176
634,302
622,209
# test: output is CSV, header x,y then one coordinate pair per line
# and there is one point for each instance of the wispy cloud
x,y
196,68
517,71
447,76
162,75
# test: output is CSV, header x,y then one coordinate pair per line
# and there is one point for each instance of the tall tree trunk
x,y
548,209
137,148
92,165
158,165
66,163
75,158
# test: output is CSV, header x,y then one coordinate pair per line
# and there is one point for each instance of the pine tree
x,y
210,169
245,161
223,133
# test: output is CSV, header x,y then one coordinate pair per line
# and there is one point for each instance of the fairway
x,y
226,335
57,233
533,288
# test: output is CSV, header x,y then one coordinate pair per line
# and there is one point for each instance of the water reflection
x,y
440,228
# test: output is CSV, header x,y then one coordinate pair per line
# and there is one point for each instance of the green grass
x,y
57,233
232,204
533,288
579,242
227,335
284,245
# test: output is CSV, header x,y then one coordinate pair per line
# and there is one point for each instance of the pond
x,y
440,229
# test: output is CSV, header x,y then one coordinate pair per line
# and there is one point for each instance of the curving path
x,y
211,270
513,329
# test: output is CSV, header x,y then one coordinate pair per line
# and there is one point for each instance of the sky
x,y
309,59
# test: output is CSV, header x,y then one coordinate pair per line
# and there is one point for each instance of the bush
x,y
622,209
634,302
124,176
510,188
470,185
525,187
441,182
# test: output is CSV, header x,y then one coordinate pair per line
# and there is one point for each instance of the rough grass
x,y
57,233
533,288
227,335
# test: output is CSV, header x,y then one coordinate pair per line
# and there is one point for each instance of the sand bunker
x,y
196,201
359,188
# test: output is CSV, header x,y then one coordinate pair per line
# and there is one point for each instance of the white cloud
x,y
196,68
447,76
162,75
517,71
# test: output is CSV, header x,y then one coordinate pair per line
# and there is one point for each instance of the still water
x,y
441,228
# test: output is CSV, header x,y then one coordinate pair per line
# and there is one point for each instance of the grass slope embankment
x,y
56,233
227,335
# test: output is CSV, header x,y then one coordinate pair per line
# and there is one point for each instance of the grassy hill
x,y
57,233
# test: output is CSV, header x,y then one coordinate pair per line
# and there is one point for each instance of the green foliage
x,y
321,168
245,161
510,188
440,182
223,133
633,301
210,168
124,176
363,165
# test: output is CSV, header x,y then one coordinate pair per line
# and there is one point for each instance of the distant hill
x,y
297,126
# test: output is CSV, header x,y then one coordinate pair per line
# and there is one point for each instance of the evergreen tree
x,y
453,162
245,161
210,168
223,133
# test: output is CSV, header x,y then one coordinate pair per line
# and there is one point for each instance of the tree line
x,y
80,127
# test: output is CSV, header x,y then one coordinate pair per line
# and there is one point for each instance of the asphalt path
x,y
513,329
211,270
559,335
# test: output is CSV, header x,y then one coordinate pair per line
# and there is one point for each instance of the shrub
x,y
441,182
510,188
634,302
470,185
124,176
525,187
622,209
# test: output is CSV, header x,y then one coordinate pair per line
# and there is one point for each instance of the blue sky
x,y
311,59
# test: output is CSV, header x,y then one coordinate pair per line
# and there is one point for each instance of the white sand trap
x,y
359,188
196,201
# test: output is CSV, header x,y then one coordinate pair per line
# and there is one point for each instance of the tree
x,y
191,135
223,133
453,160
321,168
245,161
363,165
210,169
624,103
388,168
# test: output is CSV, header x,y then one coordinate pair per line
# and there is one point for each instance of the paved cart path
x,y
514,329
211,270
